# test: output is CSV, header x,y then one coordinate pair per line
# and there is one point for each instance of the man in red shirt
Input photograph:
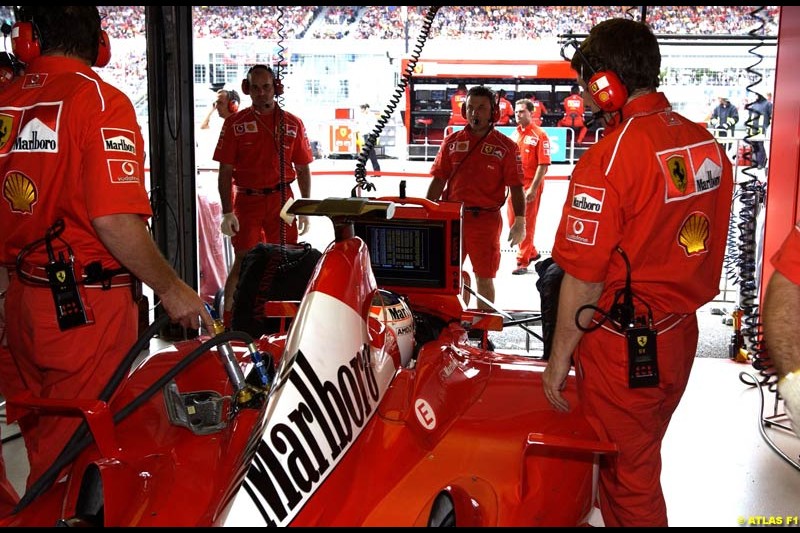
x,y
505,107
781,334
476,166
573,114
538,110
74,204
534,148
252,186
641,241
456,101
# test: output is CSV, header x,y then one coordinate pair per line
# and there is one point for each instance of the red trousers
x,y
260,221
635,419
77,363
527,250
481,241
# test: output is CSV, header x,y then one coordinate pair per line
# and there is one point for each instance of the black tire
x,y
443,512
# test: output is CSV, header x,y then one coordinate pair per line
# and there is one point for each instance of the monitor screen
x,y
511,96
406,253
438,95
450,92
422,95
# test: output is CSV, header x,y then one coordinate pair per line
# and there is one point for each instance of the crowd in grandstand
x,y
484,22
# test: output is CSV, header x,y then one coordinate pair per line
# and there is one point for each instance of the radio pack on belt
x,y
70,310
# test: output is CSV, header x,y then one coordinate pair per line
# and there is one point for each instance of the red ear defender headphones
x,y
233,102
276,82
103,50
605,86
608,91
24,43
26,46
495,108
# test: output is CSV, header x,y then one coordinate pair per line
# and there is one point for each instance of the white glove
x,y
789,389
229,224
302,225
517,232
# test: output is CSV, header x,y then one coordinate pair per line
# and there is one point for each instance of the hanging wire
x,y
752,200
372,138
280,117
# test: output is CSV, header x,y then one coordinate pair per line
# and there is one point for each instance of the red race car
x,y
380,412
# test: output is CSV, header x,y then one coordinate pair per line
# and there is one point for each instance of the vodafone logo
x,y
123,171
581,230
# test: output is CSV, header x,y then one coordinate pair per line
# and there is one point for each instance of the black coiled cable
x,y
281,119
372,138
752,199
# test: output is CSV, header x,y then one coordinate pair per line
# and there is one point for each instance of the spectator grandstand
x,y
453,22
326,58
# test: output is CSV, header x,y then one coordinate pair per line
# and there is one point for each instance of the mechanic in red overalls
x,y
650,202
534,149
573,114
250,187
475,166
74,200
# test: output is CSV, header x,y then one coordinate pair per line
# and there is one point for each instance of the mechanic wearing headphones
x,y
641,240
74,217
476,165
252,186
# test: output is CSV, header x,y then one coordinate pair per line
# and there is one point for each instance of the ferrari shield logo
x,y
61,276
677,172
641,340
6,121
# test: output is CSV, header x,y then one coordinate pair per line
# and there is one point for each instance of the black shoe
x,y
520,270
538,256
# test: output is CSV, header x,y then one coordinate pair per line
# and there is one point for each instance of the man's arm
x,y
225,186
574,294
517,200
530,194
435,189
204,124
304,184
781,334
782,338
128,240
303,180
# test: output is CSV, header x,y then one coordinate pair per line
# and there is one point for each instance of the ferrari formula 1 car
x,y
379,410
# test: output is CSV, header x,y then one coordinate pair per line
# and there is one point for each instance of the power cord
x,y
372,138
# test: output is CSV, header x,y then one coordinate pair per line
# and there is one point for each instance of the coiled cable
x,y
281,137
372,138
752,199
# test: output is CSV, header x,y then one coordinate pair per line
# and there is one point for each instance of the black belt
x,y
475,210
258,192
116,280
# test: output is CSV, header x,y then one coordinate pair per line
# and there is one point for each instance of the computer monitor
x,y
406,254
438,95
422,95
450,92
511,96
418,250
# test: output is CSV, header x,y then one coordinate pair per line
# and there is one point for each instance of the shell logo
x,y
693,234
20,192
